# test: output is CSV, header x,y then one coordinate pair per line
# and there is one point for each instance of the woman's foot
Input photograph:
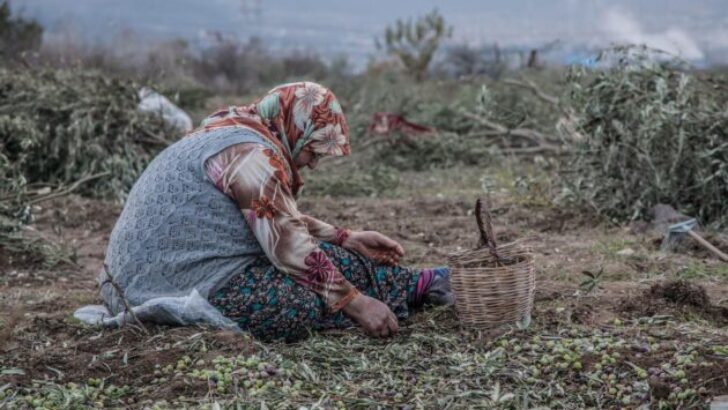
x,y
433,288
440,293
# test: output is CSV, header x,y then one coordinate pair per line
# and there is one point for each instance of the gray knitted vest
x,y
177,231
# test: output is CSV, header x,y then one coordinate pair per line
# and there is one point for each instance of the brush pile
x,y
653,134
69,130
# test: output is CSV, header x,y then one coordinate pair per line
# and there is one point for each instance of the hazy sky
x,y
696,29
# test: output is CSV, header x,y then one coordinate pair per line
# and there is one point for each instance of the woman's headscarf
x,y
293,117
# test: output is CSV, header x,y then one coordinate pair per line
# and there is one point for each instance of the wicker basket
x,y
493,284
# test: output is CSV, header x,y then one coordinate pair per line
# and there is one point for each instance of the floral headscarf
x,y
294,117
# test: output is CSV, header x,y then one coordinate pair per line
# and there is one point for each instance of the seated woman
x,y
216,212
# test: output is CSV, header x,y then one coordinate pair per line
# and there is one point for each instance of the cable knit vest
x,y
177,231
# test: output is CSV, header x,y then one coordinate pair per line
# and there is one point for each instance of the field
x,y
631,342
571,160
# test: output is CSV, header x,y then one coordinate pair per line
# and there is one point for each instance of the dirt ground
x,y
44,348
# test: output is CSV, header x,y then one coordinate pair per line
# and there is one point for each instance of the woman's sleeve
x,y
326,232
257,181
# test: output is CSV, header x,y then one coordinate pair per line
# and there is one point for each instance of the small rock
x,y
626,252
664,215
658,388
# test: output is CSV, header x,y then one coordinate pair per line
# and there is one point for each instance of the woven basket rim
x,y
527,259
516,243
510,249
513,267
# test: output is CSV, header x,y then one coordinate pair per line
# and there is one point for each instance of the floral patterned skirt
x,y
270,305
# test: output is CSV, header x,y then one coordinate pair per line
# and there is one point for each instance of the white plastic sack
x,y
176,311
152,101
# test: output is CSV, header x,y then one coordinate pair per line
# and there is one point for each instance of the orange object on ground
x,y
387,122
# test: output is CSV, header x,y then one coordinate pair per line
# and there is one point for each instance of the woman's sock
x,y
433,288
423,284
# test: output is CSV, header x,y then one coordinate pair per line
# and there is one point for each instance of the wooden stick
x,y
529,85
484,240
500,129
120,291
65,191
486,228
709,246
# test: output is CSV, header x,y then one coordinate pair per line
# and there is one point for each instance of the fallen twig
x,y
529,85
566,124
154,139
110,280
65,191
529,150
501,130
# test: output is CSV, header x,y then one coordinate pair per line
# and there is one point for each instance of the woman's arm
x,y
324,231
256,180
371,244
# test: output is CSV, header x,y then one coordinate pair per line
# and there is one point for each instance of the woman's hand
x,y
373,315
375,246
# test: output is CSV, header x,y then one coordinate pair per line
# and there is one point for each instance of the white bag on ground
x,y
181,311
152,101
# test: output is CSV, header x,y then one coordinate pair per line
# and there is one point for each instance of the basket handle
x,y
485,226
